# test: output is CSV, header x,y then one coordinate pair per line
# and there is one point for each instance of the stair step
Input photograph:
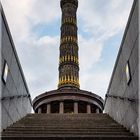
x,y
67,127
65,134
62,128
70,137
68,131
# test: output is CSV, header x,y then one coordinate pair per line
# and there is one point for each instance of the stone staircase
x,y
67,127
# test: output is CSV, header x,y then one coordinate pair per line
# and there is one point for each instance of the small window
x,y
5,72
128,74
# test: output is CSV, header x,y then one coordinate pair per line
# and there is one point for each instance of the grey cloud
x,y
40,62
104,18
44,11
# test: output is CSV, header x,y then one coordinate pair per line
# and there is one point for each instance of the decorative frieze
x,y
68,58
68,39
69,20
72,80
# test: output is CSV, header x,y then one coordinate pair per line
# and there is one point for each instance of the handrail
x,y
122,98
15,96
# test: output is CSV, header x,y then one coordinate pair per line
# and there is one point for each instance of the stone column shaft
x,y
97,110
48,108
68,59
75,107
39,110
88,108
61,107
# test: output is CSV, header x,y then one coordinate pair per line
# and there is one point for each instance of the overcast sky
x,y
35,28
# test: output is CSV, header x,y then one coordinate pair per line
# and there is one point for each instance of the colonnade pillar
x,y
97,110
39,110
48,108
75,107
61,107
88,108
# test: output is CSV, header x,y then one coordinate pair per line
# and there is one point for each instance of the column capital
x,y
76,100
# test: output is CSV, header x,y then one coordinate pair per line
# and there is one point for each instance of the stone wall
x,y
122,95
15,97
